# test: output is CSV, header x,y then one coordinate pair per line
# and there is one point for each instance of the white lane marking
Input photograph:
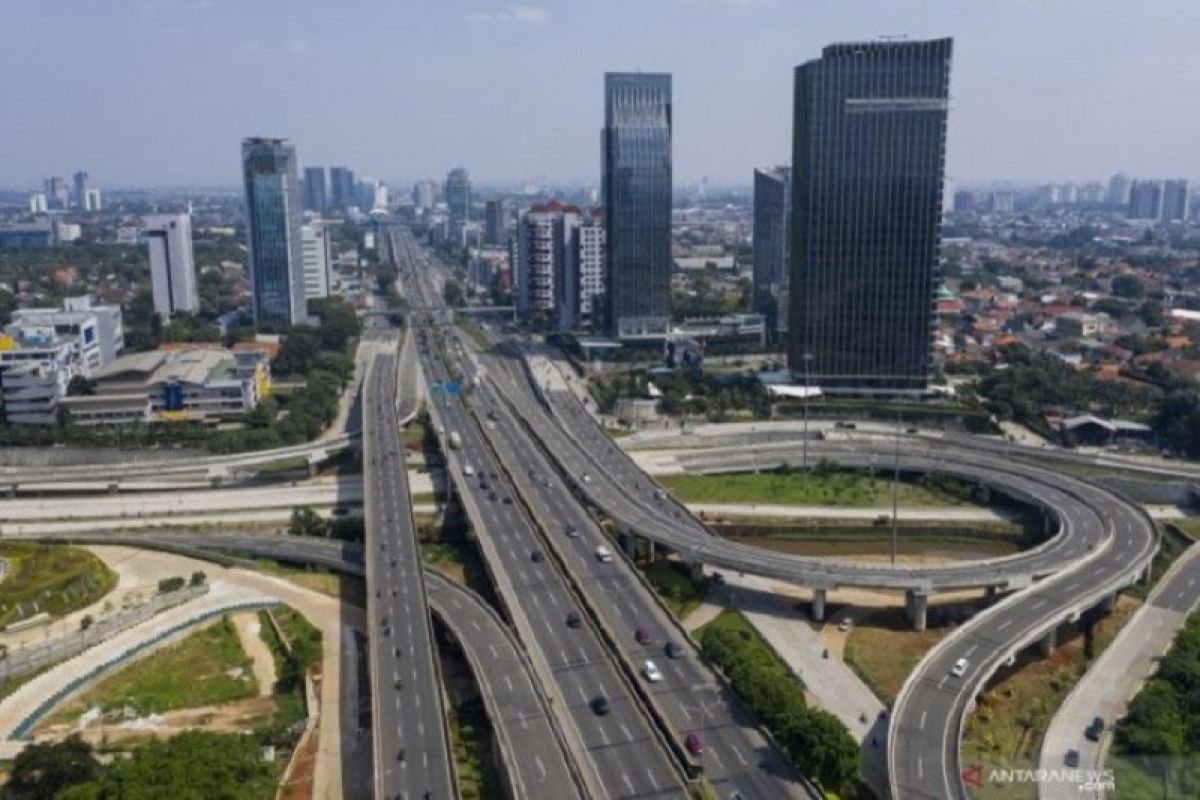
x,y
970,650
1038,604
628,783
1004,625
920,767
921,726
625,731
941,682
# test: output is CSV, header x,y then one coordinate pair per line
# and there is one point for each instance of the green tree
x,y
306,522
42,770
1127,286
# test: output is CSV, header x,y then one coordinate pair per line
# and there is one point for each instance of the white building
x,y
314,240
37,203
34,375
381,196
172,266
98,329
589,271
544,236
91,200
64,232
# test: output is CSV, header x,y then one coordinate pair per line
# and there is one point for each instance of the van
x,y
603,554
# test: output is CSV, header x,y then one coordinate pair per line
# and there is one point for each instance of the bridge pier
x,y
818,605
312,467
916,605
11,490
650,551
696,570
1109,603
985,494
114,487
1048,642
629,543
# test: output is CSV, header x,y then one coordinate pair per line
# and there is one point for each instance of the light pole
x,y
896,485
807,359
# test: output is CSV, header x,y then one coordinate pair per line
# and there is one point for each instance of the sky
x,y
160,92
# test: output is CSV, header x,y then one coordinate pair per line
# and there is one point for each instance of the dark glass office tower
x,y
458,196
772,222
868,160
273,220
341,188
636,174
314,189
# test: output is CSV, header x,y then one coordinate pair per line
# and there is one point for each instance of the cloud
x,y
527,15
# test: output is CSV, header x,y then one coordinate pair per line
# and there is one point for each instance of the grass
x,y
471,738
825,488
1007,727
191,673
883,649
53,578
678,591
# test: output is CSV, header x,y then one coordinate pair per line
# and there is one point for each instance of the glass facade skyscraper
x,y
273,221
868,161
314,189
458,196
772,241
636,176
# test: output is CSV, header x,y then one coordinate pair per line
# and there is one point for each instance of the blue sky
x,y
159,92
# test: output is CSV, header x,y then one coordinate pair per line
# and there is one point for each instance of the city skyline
x,y
1024,108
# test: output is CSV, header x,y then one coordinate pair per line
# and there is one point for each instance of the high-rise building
x,y
80,188
314,240
1175,200
636,179
37,203
585,273
964,201
772,238
1118,190
341,188
172,266
1001,202
273,222
495,222
1091,193
314,189
458,197
57,196
867,175
380,196
424,194
1145,200
544,236
91,200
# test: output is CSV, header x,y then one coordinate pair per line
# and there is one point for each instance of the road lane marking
x,y
921,726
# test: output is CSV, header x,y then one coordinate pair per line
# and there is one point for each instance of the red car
x,y
642,635
693,744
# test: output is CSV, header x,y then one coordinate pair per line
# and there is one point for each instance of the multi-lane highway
x,y
411,746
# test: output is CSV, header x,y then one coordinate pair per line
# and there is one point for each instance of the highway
x,y
626,755
411,744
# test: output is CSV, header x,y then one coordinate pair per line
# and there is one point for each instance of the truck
x,y
455,440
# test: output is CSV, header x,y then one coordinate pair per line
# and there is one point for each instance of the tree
x,y
306,522
1127,286
86,622
198,578
80,386
42,770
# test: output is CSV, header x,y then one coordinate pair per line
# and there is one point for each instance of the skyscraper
x,y
495,221
315,245
341,188
1175,200
314,189
458,197
772,224
1118,190
868,154
1145,200
636,179
273,222
80,191
172,268
57,196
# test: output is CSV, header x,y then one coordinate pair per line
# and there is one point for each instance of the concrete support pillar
x,y
1109,603
985,493
629,542
114,487
916,604
991,592
1048,642
11,491
215,481
696,570
312,468
650,551
818,605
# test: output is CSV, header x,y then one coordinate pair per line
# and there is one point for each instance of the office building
x,y
314,189
172,265
57,195
1145,200
964,201
424,194
26,235
458,197
636,179
97,329
341,188
37,203
867,175
772,238
1175,200
1001,202
1118,190
314,240
91,200
80,186
273,222
495,222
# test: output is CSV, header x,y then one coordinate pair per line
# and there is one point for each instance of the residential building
x,y
866,229
1119,186
98,329
964,201
380,197
458,197
495,218
636,176
424,194
585,284
37,203
1145,200
273,222
57,195
314,189
91,200
80,186
64,232
772,238
1002,202
1076,325
341,188
1175,200
315,243
544,235
172,265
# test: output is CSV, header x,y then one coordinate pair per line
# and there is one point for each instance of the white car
x,y
603,554
960,667
844,625
650,670
468,470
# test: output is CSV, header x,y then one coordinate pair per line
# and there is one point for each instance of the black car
x,y
600,705
1094,731
574,620
673,649
492,497
507,501
1072,759
537,557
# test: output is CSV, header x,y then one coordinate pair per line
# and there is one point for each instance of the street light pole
x,y
807,359
896,486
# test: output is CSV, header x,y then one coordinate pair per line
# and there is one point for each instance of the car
x,y
587,477
572,532
650,670
484,485
661,494
507,501
1072,759
396,652
845,624
911,430
537,557
603,554
693,744
399,685
736,795
492,496
642,635
960,668
1095,730
673,649
574,620
600,705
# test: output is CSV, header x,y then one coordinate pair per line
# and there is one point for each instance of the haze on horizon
x,y
160,92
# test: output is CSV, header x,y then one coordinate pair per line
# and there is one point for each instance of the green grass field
x,y
883,648
190,673
677,591
56,578
836,488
